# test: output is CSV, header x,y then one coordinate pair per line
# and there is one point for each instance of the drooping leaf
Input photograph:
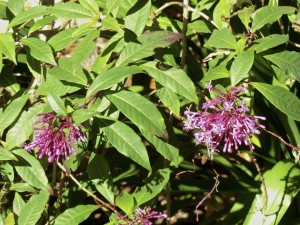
x,y
7,46
70,10
126,141
57,104
281,98
76,215
263,44
221,39
29,14
241,67
30,170
39,50
32,210
18,204
166,150
39,24
111,77
269,14
12,111
125,201
174,79
137,17
288,61
215,73
153,186
144,46
100,175
23,127
281,182
139,110
169,99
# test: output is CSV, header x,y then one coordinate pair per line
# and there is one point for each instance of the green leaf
x,y
76,215
288,61
16,6
70,11
99,173
153,186
221,39
169,99
91,5
215,73
281,182
57,104
30,170
32,210
269,14
111,77
6,155
245,15
126,141
12,111
29,14
144,46
174,79
199,26
281,98
221,11
269,42
23,128
68,71
7,172
7,46
56,86
140,111
241,66
82,115
18,204
22,187
166,150
63,39
39,50
112,6
137,17
125,201
111,23
39,24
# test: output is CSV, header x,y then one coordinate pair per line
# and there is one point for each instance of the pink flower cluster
x,y
223,121
54,137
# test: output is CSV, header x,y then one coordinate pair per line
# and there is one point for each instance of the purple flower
x,y
223,121
142,216
54,137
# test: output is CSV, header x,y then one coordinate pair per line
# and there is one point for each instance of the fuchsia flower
x,y
54,137
223,121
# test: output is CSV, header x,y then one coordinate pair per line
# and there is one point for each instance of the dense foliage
x,y
141,112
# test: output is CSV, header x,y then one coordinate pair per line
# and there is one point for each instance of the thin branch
x,y
184,30
282,140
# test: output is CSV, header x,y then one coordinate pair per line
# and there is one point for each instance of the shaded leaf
x,y
32,210
281,98
241,67
139,110
144,46
126,141
221,39
76,215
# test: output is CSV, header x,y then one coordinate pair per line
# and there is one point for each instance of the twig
x,y
283,32
185,14
168,196
283,141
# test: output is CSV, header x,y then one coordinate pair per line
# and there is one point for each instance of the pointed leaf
x,y
139,110
111,77
269,14
57,104
125,201
76,215
29,14
215,73
63,39
174,79
137,17
288,61
12,111
32,210
241,67
100,175
23,128
6,155
7,46
30,170
18,204
39,24
245,15
221,39
91,5
126,141
144,46
281,98
70,11
153,186
39,50
269,42
169,99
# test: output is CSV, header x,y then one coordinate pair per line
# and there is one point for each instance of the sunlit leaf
x,y
56,104
221,39
70,10
7,46
263,44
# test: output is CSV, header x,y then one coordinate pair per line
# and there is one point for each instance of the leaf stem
x,y
185,14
